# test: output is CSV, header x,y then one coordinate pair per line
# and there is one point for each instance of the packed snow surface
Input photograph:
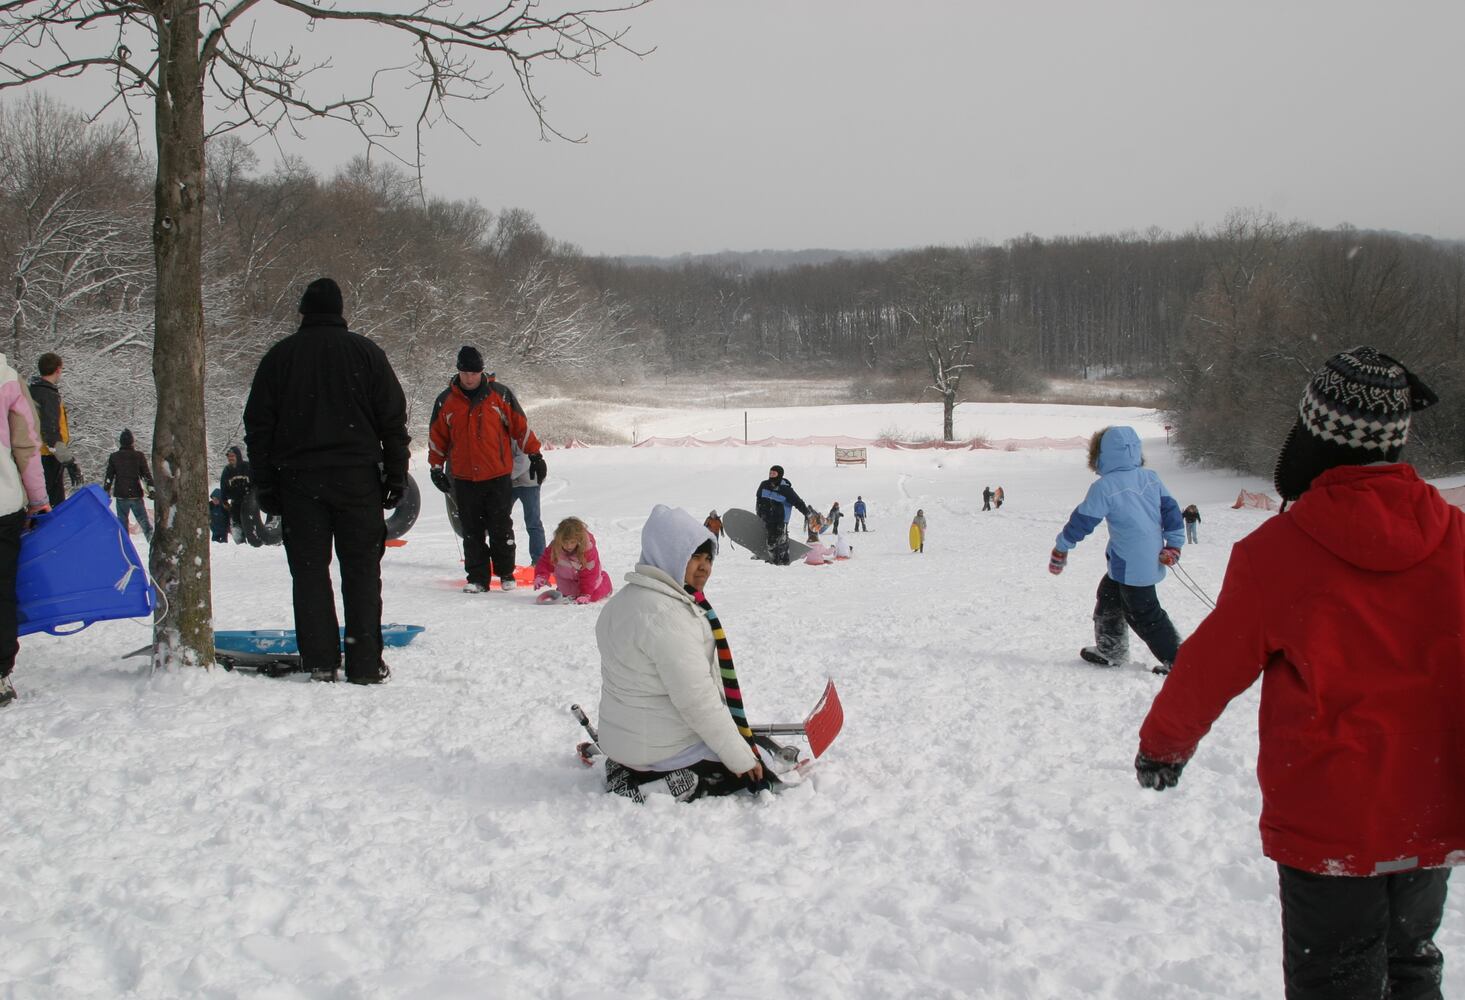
x,y
976,830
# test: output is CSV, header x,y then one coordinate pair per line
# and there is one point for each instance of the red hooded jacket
x,y
1351,607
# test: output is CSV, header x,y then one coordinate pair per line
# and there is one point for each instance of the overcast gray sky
x,y
855,124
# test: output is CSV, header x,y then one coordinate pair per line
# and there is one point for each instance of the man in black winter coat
x,y
326,427
775,505
127,475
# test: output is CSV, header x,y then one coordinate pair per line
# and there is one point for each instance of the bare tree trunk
x,y
948,414
182,629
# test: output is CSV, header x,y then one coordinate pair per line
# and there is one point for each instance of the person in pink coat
x,y
574,562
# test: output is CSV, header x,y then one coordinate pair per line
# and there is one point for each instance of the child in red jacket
x,y
575,563
1349,606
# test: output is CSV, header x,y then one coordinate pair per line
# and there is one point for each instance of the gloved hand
x,y
268,499
440,479
150,493
537,468
583,599
394,488
1157,774
540,582
73,472
1056,561
1169,555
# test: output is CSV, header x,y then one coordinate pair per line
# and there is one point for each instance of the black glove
x,y
537,469
394,488
1157,774
268,499
73,472
440,479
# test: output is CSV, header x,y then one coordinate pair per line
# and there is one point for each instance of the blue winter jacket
x,y
1143,517
859,508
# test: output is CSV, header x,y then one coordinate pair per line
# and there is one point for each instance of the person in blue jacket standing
x,y
776,504
860,514
1145,535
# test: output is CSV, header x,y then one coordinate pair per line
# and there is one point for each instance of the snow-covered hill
x,y
976,831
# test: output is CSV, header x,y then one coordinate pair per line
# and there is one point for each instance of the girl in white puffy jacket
x,y
664,723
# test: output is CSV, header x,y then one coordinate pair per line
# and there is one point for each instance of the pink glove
x,y
1056,561
540,581
1169,555
583,599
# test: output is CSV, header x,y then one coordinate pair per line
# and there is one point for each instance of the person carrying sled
x,y
1191,516
127,481
56,456
236,483
814,526
574,561
671,715
860,514
476,423
326,426
833,517
1144,537
775,505
919,521
1348,606
986,498
22,494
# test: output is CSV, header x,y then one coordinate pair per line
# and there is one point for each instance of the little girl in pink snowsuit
x,y
575,562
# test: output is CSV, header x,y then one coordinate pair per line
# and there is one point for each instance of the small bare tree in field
x,y
935,298
177,57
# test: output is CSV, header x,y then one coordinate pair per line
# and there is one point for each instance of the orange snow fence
x,y
1259,501
975,444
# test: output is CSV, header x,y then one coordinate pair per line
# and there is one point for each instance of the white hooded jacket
x,y
660,689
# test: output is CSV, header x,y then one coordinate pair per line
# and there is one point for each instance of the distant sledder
x,y
776,503
1145,536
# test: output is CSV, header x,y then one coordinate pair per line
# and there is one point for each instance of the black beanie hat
x,y
469,360
322,297
1355,411
778,469
124,440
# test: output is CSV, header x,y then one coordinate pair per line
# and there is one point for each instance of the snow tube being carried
x,y
270,530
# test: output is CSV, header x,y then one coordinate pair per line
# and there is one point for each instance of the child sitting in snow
x,y
575,563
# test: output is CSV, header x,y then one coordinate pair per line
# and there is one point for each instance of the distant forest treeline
x,y
1232,319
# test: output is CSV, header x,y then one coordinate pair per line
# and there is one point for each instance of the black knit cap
x,y
469,360
778,469
1356,410
125,439
322,298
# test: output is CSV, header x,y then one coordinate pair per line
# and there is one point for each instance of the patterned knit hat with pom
x,y
1355,411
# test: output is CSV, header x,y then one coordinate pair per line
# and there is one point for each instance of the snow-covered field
x,y
976,831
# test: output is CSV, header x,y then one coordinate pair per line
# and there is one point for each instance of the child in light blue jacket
x,y
1145,535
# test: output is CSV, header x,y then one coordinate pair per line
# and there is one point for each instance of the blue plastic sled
x,y
77,566
282,640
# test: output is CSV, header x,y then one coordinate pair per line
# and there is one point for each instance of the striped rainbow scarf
x,y
725,666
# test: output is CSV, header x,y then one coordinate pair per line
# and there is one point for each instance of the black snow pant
x,y
486,508
860,523
11,526
55,476
1117,605
986,503
341,506
1362,938
777,542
